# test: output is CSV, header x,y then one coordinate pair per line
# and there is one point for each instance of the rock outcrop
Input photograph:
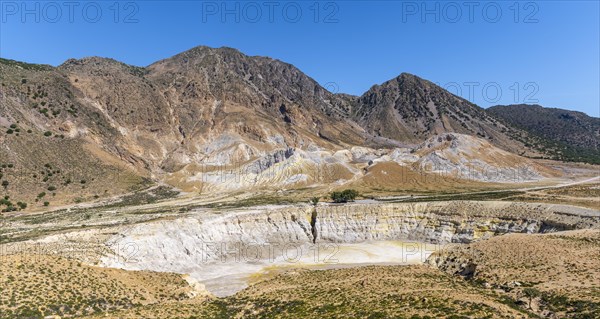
x,y
174,245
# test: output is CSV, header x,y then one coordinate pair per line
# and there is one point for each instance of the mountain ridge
x,y
570,135
180,118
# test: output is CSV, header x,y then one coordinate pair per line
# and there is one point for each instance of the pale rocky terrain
x,y
562,267
470,282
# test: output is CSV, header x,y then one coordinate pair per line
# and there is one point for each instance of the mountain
x,y
207,102
204,107
410,109
216,120
569,135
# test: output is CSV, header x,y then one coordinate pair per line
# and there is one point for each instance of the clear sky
x,y
546,52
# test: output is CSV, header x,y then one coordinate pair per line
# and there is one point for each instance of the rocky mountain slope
x,y
199,109
411,109
218,120
567,134
215,103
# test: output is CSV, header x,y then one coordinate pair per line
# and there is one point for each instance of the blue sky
x,y
489,52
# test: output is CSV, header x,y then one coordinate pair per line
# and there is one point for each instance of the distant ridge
x,y
569,135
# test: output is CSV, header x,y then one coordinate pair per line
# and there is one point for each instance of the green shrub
x,y
47,133
345,196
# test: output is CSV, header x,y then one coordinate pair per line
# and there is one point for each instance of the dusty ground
x,y
585,195
563,269
34,286
369,292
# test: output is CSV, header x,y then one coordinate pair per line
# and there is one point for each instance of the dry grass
x,y
367,292
585,195
60,171
34,286
564,267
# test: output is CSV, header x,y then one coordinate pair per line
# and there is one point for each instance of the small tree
x,y
5,184
315,200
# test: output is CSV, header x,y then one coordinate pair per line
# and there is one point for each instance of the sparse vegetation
x,y
561,134
40,286
531,293
154,112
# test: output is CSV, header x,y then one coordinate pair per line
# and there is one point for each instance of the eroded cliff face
x,y
446,222
206,236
